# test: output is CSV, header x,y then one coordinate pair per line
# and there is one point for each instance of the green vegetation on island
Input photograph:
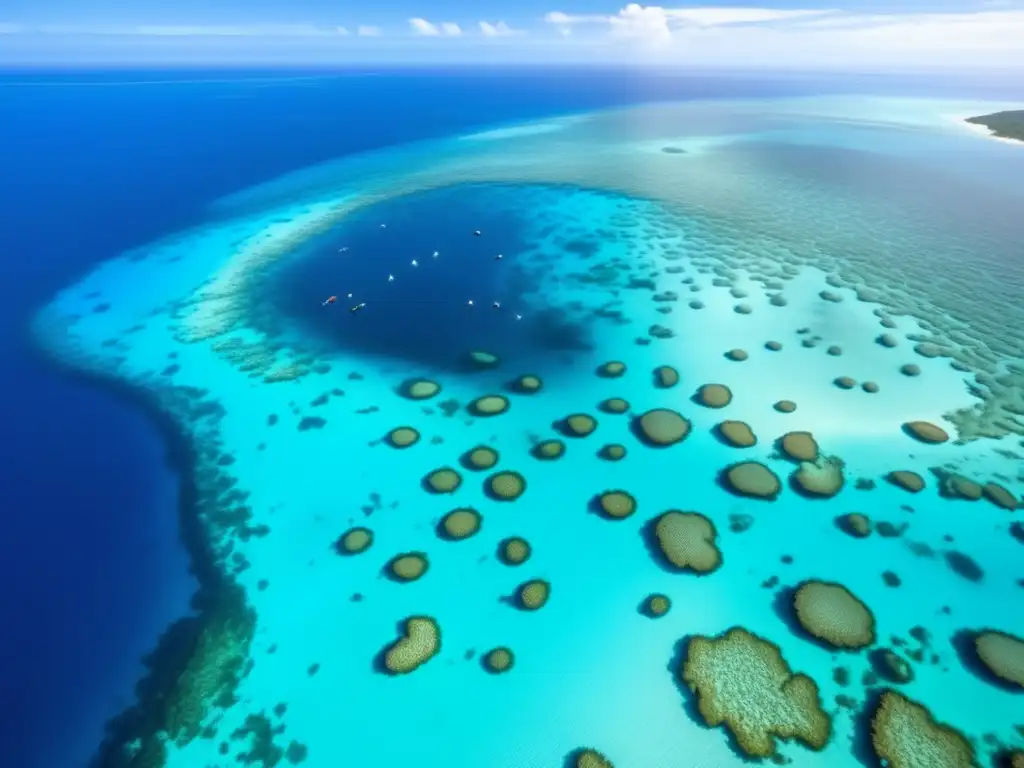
x,y
1005,125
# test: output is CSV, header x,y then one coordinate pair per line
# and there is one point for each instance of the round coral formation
x,y
834,615
489,405
403,437
737,355
612,369
714,395
355,540
907,480
480,458
499,660
773,346
528,384
656,605
461,523
738,434
533,594
613,452
799,446
591,758
905,735
855,524
662,427
785,406
1000,496
870,387
614,405
742,681
408,566
616,505
482,359
420,642
506,486
687,541
821,478
910,369
753,479
845,382
666,376
443,480
1003,655
420,389
579,425
548,449
926,432
514,550
959,487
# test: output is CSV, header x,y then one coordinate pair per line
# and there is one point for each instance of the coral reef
x,y
489,405
799,446
926,432
614,405
785,406
533,594
834,615
403,437
480,458
527,384
823,477
741,681
460,523
738,434
686,540
548,449
578,425
482,359
354,541
420,389
656,605
408,566
613,452
905,735
506,485
591,758
855,524
616,505
1003,655
514,550
443,480
905,479
665,376
420,642
714,395
1000,496
737,355
499,660
662,427
612,369
752,478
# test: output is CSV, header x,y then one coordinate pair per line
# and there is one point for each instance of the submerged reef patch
x,y
905,735
460,524
499,660
589,758
714,395
443,480
505,486
480,458
832,614
906,479
548,449
514,550
578,425
738,434
489,405
820,479
614,405
753,479
662,427
741,681
354,541
687,541
1003,655
533,594
656,605
616,505
419,389
408,566
799,446
926,432
419,643
403,437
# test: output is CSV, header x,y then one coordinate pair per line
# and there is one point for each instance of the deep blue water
x,y
94,163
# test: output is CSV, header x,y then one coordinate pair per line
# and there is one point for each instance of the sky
x,y
863,35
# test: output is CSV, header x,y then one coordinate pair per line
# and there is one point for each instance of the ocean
x,y
183,395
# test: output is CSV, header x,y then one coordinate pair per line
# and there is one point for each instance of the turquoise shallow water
x,y
612,249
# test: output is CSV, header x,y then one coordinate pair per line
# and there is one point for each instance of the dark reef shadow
x,y
963,644
689,699
964,566
860,741
216,590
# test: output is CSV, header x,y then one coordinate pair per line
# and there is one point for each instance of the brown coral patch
x,y
616,505
1003,655
662,427
714,395
419,643
753,479
926,432
1000,496
820,479
742,681
799,446
905,735
907,480
834,615
738,434
686,541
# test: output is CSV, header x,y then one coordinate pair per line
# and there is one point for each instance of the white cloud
x,y
500,29
367,30
743,35
428,29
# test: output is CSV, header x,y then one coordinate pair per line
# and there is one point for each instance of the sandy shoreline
x,y
981,130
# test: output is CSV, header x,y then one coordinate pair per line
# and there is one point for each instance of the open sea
x,y
723,375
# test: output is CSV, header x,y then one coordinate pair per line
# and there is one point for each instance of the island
x,y
1005,125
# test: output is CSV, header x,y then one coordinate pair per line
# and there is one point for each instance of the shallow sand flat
x,y
574,682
